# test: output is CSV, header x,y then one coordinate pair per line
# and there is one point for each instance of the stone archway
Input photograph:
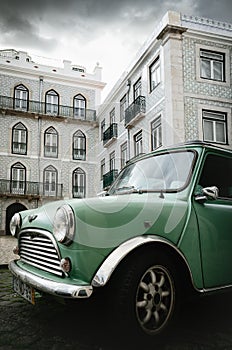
x,y
10,211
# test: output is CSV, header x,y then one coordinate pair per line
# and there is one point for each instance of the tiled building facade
x,y
177,89
57,144
49,133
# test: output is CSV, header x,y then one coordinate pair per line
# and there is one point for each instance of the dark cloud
x,y
91,18
70,27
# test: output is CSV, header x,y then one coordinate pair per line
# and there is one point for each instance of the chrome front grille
x,y
38,248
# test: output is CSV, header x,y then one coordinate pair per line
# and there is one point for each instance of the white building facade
x,y
49,133
177,89
57,143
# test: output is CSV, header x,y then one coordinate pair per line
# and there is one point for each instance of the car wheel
x,y
146,294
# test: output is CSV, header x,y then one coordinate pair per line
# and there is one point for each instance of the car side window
x,y
217,171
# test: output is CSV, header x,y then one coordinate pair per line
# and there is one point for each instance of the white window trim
x,y
218,109
212,48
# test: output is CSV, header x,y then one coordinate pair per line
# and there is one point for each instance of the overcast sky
x,y
89,31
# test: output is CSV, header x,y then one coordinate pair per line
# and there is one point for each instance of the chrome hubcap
x,y
154,299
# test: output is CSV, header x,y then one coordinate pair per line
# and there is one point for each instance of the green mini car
x,y
162,231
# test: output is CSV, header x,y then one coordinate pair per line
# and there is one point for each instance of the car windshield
x,y
166,172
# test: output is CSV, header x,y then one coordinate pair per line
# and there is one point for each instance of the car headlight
x,y
64,224
15,224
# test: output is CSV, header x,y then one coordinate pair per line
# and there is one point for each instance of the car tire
x,y
145,295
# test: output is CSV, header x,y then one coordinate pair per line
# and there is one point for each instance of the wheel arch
x,y
134,247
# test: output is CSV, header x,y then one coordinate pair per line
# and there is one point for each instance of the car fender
x,y
105,271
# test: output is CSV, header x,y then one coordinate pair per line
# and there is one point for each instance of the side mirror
x,y
207,193
211,192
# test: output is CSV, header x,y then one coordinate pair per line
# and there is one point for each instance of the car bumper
x,y
48,286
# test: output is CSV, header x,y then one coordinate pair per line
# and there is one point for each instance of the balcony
x,y
135,111
109,177
42,108
11,188
110,134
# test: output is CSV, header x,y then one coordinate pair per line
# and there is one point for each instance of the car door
x,y
215,221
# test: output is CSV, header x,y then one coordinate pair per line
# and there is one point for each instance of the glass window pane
x,y
208,130
220,132
205,69
217,71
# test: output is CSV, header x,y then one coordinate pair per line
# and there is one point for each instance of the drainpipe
x,y
39,125
128,129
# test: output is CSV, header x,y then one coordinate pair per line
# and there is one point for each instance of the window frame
x,y
48,131
79,110
154,72
54,107
78,175
215,50
156,129
215,121
138,143
102,168
51,190
22,130
79,138
137,88
205,57
124,154
123,106
22,90
20,187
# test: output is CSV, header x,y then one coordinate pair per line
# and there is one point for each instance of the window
x,y
215,127
19,139
79,146
103,127
21,97
112,161
212,65
103,168
79,183
217,171
50,181
51,143
52,102
112,116
154,74
18,179
79,106
138,141
123,154
137,89
123,107
156,134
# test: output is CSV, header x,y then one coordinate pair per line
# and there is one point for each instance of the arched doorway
x,y
10,211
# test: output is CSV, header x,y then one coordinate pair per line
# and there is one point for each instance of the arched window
x,y
18,178
79,183
79,146
51,143
50,181
21,95
52,102
19,139
79,105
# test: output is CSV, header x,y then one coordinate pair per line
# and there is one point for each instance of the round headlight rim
x,y
67,239
16,223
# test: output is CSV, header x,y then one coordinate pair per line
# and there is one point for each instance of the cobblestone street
x,y
205,324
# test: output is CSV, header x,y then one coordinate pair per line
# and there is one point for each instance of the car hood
x,y
105,222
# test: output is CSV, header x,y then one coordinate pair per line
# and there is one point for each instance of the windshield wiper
x,y
128,189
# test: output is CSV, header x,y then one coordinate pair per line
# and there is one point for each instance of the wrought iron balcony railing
x,y
110,134
42,108
109,177
135,111
27,188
